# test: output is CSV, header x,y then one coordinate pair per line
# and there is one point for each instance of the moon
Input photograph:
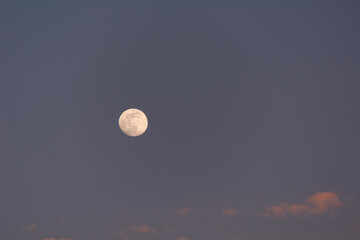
x,y
133,122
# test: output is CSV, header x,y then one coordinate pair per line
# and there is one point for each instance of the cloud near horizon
x,y
230,212
133,232
182,238
184,211
319,203
29,227
144,229
56,239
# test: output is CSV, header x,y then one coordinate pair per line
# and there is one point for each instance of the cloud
x,y
184,211
319,203
121,232
130,232
144,229
230,212
182,238
56,239
30,227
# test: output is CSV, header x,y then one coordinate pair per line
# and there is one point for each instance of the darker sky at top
x,y
249,105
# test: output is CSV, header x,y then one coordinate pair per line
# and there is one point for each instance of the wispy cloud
x,y
130,232
56,239
230,212
319,203
122,233
140,231
184,211
29,227
144,229
182,238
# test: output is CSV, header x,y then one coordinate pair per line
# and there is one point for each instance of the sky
x,y
253,110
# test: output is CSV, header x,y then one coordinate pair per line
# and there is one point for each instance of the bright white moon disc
x,y
133,122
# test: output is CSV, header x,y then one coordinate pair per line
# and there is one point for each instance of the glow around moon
x,y
133,122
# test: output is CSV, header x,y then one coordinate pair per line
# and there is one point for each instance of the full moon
x,y
133,122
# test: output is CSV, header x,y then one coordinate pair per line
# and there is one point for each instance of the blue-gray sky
x,y
253,112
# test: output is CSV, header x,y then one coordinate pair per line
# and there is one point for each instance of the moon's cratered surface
x,y
133,122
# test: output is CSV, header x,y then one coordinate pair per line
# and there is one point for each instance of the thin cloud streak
x,y
319,203
183,211
182,238
30,227
56,239
144,229
230,212
135,231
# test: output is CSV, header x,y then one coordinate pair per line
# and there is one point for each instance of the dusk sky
x,y
253,110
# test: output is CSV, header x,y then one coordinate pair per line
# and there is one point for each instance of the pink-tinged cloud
x,y
184,211
30,227
144,229
182,238
319,203
230,212
56,239
121,232
131,232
